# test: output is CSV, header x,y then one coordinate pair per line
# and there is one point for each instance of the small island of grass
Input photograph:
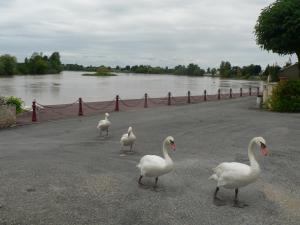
x,y
101,72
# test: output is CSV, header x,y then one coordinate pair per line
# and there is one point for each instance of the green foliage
x,y
41,64
8,65
278,28
286,97
228,71
37,64
225,69
273,71
12,100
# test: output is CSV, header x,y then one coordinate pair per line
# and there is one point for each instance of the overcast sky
x,y
121,32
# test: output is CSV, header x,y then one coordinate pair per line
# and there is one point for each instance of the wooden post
x,y
241,92
230,93
204,95
189,97
146,101
33,119
80,112
117,103
169,98
219,94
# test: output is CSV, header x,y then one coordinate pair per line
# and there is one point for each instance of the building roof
x,y
289,73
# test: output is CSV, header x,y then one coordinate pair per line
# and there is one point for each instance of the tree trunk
x,y
298,55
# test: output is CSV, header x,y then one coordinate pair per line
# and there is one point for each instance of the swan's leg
x,y
131,147
218,201
140,180
236,202
216,191
100,132
107,132
156,180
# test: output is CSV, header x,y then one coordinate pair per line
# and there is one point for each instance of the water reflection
x,y
69,86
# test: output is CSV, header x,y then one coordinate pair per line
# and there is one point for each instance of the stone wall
x,y
7,115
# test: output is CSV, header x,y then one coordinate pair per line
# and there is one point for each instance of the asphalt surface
x,y
63,172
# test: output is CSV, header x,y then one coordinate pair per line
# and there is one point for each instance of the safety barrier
x,y
42,112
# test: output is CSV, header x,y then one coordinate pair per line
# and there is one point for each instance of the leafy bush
x,y
286,97
2,100
12,100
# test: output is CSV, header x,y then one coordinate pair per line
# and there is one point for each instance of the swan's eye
x,y
262,145
171,142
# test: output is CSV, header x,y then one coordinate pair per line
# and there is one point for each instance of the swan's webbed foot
x,y
218,202
238,204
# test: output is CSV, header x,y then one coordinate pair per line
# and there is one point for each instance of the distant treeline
x,y
36,64
76,67
191,69
42,64
226,70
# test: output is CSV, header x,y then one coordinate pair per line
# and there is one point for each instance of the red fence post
x,y
169,98
219,94
146,101
80,112
204,95
117,103
257,91
189,97
33,119
241,92
250,91
230,93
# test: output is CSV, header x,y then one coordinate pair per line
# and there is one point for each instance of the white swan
x,y
104,124
128,139
155,166
233,175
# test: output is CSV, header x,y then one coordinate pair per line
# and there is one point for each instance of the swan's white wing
x,y
232,174
100,123
152,165
234,167
124,139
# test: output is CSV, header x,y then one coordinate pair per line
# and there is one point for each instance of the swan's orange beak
x,y
173,146
264,151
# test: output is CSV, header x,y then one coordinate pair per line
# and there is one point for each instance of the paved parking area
x,y
62,172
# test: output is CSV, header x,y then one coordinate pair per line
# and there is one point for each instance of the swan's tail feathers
x,y
213,177
138,166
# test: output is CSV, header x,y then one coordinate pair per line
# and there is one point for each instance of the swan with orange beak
x,y
234,175
156,166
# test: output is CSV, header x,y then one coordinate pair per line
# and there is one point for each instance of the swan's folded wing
x,y
232,167
153,162
232,173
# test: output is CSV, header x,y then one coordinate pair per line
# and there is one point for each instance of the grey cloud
x,y
119,32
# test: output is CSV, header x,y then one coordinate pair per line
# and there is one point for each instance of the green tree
x,y
278,28
225,69
8,65
273,72
54,63
213,71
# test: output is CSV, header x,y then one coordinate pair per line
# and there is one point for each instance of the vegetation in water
x,y
101,72
36,64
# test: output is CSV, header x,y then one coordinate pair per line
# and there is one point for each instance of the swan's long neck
x,y
165,152
253,163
